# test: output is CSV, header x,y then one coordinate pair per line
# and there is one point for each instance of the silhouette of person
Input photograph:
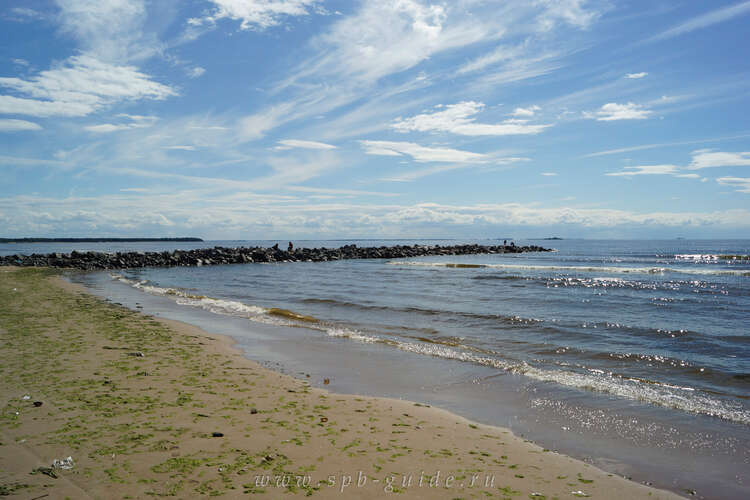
x,y
291,247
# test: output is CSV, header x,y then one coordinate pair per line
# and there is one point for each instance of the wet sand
x,y
151,407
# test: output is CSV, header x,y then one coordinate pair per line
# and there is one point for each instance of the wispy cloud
x,y
413,175
574,12
422,153
672,170
22,14
295,143
10,125
109,31
741,184
459,119
375,47
613,111
129,122
501,54
663,145
706,158
16,161
636,76
704,21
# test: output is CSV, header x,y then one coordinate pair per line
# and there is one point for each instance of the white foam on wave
x,y
662,394
596,269
352,334
697,257
210,304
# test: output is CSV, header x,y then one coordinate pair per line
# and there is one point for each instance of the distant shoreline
x,y
91,240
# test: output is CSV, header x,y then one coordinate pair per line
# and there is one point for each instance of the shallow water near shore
x,y
633,355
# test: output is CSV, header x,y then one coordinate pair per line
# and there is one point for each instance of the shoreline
x,y
404,438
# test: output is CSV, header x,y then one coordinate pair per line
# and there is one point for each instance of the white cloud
x,y
422,153
458,119
710,159
20,62
636,76
196,72
549,174
704,20
526,112
17,125
294,143
613,111
256,14
181,148
741,184
79,87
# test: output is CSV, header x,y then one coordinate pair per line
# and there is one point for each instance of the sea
x,y
631,355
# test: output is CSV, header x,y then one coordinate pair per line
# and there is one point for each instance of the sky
x,y
265,119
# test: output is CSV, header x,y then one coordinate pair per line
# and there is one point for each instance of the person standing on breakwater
x,y
290,248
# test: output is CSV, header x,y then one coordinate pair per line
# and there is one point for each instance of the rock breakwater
x,y
246,255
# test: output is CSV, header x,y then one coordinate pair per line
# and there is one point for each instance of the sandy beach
x,y
147,407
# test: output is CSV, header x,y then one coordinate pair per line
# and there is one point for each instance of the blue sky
x,y
245,119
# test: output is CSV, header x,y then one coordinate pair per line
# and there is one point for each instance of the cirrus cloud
x,y
18,125
422,153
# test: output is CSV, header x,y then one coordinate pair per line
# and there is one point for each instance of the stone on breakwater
x,y
243,255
